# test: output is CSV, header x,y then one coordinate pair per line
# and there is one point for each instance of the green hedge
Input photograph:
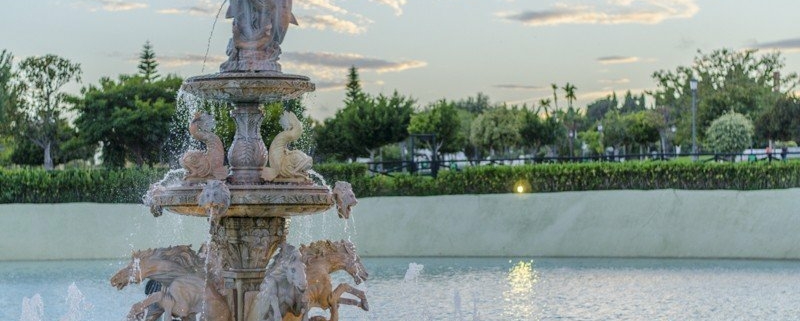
x,y
76,185
588,177
128,185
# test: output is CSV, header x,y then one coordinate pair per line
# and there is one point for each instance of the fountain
x,y
249,204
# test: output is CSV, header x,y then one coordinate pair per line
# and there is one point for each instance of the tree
x,y
474,105
728,80
555,95
496,129
598,109
643,127
440,118
148,63
131,117
780,121
353,87
374,122
537,131
569,93
8,104
41,100
730,133
9,93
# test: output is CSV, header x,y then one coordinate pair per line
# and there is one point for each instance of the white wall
x,y
664,223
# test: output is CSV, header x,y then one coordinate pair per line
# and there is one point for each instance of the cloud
x,y
785,45
397,5
326,5
518,87
324,22
202,8
616,12
330,85
344,61
620,81
613,60
111,5
188,59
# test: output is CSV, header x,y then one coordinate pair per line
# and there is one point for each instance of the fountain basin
x,y
243,87
272,200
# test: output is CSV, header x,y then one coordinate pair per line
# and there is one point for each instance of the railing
x,y
428,167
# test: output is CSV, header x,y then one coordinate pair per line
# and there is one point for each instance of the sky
x,y
510,50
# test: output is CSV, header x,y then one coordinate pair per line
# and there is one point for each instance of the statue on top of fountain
x,y
259,27
285,165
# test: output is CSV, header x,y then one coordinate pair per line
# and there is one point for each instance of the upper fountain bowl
x,y
248,87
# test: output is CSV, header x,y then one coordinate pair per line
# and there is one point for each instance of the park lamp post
x,y
693,86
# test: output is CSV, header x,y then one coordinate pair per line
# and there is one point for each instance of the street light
x,y
693,86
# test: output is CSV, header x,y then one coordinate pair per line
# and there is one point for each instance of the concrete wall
x,y
664,223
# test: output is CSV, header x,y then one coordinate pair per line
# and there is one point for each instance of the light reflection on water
x,y
482,289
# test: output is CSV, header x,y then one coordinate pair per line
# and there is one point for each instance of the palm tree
x,y
545,104
569,93
555,95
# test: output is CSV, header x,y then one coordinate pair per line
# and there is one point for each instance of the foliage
x,y
569,93
537,131
76,185
730,133
129,185
598,109
68,147
643,126
131,117
474,105
780,120
497,129
41,100
440,118
728,80
148,63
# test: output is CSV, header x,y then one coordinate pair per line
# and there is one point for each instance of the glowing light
x,y
520,188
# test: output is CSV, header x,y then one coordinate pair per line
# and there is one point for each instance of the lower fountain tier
x,y
272,200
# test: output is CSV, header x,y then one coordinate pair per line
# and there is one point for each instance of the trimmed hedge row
x,y
76,185
128,185
588,177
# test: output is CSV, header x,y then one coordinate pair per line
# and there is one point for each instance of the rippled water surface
x,y
482,289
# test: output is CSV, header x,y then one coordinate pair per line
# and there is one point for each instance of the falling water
x,y
457,304
213,26
32,309
413,272
78,307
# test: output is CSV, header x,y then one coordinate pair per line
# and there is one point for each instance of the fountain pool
x,y
497,288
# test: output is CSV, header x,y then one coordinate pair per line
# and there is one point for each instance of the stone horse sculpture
x,y
204,165
287,165
184,290
323,258
283,288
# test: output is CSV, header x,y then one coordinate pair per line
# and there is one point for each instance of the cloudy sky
x,y
511,50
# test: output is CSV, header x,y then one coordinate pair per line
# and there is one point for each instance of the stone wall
x,y
663,223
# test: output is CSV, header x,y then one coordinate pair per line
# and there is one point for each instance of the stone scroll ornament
x,y
209,164
259,27
287,165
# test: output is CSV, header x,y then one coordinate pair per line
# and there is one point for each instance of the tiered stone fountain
x,y
250,203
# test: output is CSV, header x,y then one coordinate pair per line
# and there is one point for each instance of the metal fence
x,y
432,167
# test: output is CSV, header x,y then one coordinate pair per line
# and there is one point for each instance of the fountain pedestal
x,y
246,244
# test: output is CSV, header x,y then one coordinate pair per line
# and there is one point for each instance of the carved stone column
x,y
248,154
246,245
